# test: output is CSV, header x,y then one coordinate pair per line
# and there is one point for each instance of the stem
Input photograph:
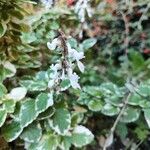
x,y
126,23
117,119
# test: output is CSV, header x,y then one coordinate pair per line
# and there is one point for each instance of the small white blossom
x,y
75,55
58,72
47,3
53,44
74,81
80,66
81,7
51,83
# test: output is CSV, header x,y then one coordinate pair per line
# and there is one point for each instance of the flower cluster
x,y
81,8
63,71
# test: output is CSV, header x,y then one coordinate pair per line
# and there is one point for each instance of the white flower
x,y
53,44
51,83
47,3
54,68
80,66
81,7
18,93
75,55
74,81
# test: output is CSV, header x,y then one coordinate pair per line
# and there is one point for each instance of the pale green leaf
x,y
81,136
32,133
110,110
130,115
61,121
95,105
43,101
3,115
11,130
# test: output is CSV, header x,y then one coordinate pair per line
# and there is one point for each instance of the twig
x,y
118,118
126,23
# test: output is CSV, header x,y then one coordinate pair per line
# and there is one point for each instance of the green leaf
x,y
114,100
95,105
11,131
43,101
61,121
28,113
3,29
3,115
66,143
110,110
3,90
73,42
144,90
31,85
65,84
135,100
47,142
47,114
122,130
130,115
89,43
81,136
147,116
9,105
84,99
32,133
137,61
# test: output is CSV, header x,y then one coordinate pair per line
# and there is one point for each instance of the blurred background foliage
x,y
116,43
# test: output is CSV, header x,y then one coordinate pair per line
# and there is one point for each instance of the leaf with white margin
x,y
3,115
81,136
130,115
3,90
88,43
147,116
65,84
32,133
43,101
11,69
46,114
135,99
66,143
31,85
61,121
27,113
47,142
11,130
17,93
9,105
110,110
95,105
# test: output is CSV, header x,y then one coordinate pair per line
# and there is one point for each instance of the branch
x,y
126,99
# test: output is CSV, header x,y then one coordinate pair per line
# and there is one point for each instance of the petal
x,y
80,66
51,83
53,44
74,81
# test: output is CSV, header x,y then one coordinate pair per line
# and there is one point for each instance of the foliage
x,y
45,101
